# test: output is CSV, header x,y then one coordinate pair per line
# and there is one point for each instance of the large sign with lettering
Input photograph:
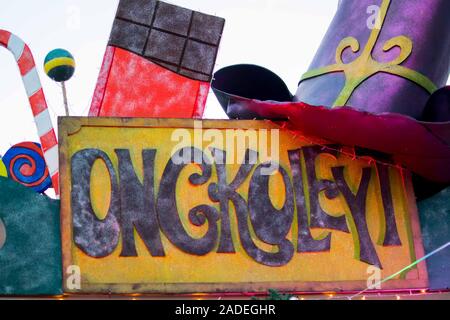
x,y
185,206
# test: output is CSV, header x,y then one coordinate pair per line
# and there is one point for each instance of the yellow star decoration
x,y
365,66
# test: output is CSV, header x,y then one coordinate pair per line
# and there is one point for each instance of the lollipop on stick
x,y
59,65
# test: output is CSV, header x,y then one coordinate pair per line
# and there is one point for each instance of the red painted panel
x,y
4,37
102,81
136,87
26,61
49,140
37,102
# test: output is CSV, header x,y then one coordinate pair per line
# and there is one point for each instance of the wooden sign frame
x,y
69,126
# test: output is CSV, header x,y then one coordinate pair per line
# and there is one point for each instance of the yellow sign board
x,y
185,206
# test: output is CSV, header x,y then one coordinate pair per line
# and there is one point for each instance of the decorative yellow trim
x,y
3,170
57,62
365,66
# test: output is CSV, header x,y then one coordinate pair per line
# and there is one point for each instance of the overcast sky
x,y
281,35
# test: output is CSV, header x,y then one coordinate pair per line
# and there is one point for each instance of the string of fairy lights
x,y
296,134
408,294
361,295
432,253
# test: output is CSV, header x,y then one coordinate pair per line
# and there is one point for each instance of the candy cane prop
x,y
33,87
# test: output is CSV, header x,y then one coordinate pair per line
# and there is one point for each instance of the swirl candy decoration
x,y
33,87
26,165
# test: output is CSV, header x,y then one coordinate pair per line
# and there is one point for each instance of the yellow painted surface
x,y
225,272
3,171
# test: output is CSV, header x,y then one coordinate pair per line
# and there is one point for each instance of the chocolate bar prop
x,y
368,86
158,63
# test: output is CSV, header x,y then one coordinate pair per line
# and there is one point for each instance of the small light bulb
x,y
398,297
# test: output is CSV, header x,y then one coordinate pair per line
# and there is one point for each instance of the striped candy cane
x,y
33,87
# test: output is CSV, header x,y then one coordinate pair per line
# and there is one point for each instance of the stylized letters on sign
x,y
184,206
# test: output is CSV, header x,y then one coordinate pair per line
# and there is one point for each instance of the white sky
x,y
281,35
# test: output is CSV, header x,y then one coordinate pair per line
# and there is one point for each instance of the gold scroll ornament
x,y
365,66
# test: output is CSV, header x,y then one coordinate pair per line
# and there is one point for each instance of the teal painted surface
x,y
61,73
57,53
435,222
30,260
